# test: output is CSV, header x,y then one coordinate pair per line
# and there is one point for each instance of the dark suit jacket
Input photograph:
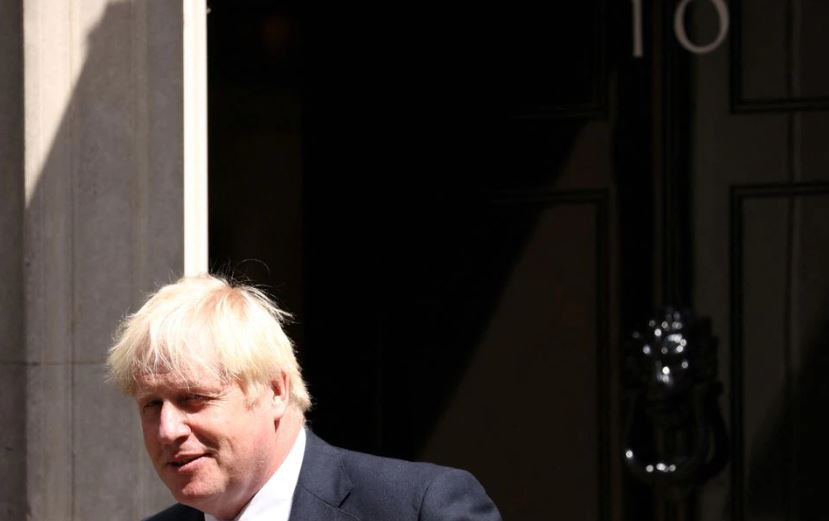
x,y
341,485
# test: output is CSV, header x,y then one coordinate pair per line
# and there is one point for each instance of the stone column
x,y
103,199
12,352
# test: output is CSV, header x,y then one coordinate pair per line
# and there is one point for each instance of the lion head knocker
x,y
674,432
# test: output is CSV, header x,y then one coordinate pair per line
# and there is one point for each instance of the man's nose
x,y
172,424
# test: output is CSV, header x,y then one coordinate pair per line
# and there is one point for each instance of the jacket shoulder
x,y
425,490
368,487
389,472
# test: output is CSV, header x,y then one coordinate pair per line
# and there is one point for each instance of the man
x,y
222,406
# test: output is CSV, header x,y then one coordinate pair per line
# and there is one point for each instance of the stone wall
x,y
92,217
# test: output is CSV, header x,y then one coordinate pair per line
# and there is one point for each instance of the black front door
x,y
469,209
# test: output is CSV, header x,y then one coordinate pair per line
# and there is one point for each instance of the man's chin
x,y
210,499
192,491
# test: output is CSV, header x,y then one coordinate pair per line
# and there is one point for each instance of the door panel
x,y
759,207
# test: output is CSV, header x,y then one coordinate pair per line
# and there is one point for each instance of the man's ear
x,y
281,396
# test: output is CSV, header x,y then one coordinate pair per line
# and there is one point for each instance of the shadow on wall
x,y
101,226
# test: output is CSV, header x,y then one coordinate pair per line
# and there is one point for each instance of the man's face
x,y
209,442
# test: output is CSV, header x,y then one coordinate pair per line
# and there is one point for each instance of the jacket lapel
x,y
323,484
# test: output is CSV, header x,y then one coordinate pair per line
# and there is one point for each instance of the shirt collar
x,y
273,501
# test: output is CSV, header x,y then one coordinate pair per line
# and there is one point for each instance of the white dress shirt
x,y
274,499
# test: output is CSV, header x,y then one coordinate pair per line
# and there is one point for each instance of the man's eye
x,y
151,404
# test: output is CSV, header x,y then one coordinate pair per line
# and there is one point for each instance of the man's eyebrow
x,y
144,395
200,388
182,388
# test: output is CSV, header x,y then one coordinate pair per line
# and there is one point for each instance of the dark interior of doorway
x,y
359,158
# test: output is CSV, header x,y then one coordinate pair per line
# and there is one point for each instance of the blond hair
x,y
227,331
